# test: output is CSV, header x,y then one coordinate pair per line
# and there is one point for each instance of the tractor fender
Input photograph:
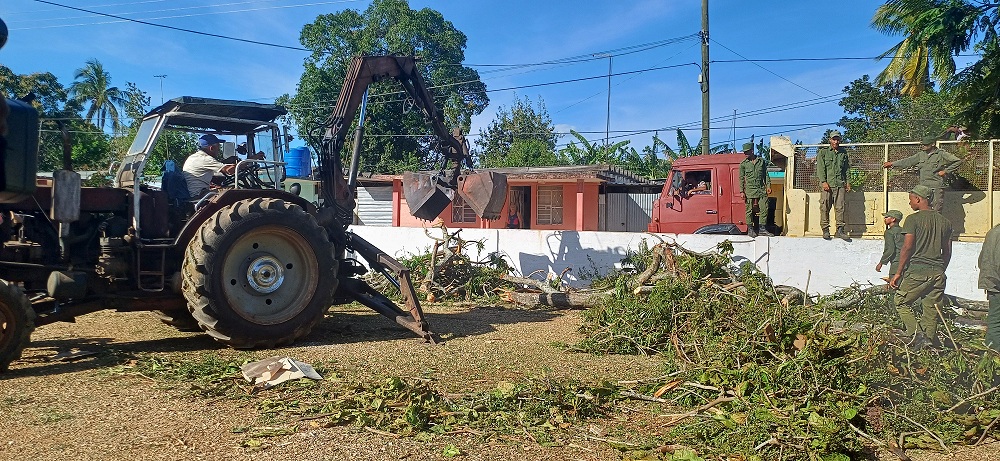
x,y
228,197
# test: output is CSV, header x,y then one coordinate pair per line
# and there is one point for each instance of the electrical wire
x,y
179,29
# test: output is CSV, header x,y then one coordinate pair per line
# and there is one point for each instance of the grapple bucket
x,y
425,195
484,192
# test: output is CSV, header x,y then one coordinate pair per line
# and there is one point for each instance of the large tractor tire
x,y
259,273
17,321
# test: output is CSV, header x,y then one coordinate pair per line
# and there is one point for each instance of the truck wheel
x,y
259,273
17,321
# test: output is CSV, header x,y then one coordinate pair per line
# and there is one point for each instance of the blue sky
x,y
796,98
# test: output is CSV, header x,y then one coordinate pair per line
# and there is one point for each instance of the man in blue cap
x,y
201,166
923,259
933,165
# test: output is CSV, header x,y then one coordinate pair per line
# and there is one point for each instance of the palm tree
x,y
934,31
93,87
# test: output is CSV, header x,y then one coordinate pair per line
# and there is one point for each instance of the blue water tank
x,y
299,162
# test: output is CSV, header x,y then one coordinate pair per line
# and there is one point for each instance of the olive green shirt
x,y
989,262
754,180
832,166
930,231
893,243
929,164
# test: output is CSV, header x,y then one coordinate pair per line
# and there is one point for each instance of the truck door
x,y
737,207
693,201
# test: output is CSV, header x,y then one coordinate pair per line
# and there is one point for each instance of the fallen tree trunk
x,y
578,299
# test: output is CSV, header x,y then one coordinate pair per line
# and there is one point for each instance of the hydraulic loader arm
x,y
427,195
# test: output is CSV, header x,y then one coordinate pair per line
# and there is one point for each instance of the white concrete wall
x,y
826,265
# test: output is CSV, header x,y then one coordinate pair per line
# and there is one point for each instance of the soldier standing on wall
x,y
755,184
832,166
933,165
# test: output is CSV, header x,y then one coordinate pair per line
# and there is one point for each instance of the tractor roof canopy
x,y
224,116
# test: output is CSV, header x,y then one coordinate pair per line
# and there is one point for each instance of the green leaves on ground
x,y
771,378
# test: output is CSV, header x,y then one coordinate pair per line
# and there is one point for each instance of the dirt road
x,y
89,410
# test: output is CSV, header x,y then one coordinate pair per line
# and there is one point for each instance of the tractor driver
x,y
201,166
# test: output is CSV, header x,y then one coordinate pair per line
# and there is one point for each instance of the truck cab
x,y
702,196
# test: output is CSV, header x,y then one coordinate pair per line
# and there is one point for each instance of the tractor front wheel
x,y
17,321
259,273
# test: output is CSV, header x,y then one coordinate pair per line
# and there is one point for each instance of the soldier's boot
x,y
765,232
826,233
840,233
752,232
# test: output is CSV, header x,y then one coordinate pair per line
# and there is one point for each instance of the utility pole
x,y
705,147
607,125
161,77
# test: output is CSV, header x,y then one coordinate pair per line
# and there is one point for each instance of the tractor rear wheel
x,y
17,321
259,273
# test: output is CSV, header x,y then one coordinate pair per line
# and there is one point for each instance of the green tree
x,y
387,27
883,113
522,136
92,88
593,153
934,31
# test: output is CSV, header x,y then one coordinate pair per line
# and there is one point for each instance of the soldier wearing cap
x,y
933,165
893,242
201,166
923,259
989,280
755,184
832,166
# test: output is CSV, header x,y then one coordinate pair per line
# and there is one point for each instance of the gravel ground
x,y
80,411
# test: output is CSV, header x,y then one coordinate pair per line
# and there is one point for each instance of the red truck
x,y
702,196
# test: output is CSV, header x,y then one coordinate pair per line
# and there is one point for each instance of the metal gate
x,y
628,212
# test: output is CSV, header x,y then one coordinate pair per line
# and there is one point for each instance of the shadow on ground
x,y
342,325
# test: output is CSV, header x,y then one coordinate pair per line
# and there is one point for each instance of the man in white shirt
x,y
201,166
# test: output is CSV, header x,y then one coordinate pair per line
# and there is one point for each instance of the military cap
x,y
747,147
929,140
922,191
834,134
893,214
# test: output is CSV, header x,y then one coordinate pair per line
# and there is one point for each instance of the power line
x,y
179,29
177,16
762,67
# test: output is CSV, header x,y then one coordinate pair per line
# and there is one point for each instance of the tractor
x,y
250,263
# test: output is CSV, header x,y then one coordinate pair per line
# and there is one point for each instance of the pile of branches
x,y
446,272
762,374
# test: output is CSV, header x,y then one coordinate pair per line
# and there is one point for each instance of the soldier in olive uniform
x,y
933,165
755,184
989,280
893,242
923,259
832,166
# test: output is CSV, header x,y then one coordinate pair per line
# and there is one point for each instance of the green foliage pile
x,y
766,378
541,406
446,272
